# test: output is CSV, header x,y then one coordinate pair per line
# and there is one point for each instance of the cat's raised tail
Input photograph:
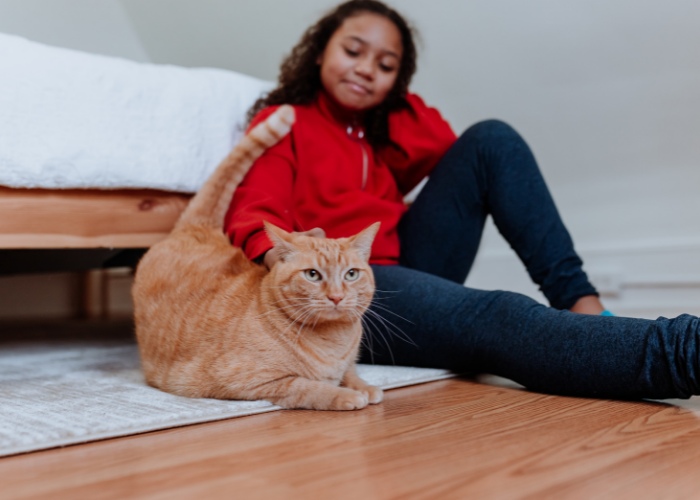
x,y
208,207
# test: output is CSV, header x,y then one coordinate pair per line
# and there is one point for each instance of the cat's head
x,y
322,279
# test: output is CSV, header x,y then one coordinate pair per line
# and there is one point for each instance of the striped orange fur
x,y
210,323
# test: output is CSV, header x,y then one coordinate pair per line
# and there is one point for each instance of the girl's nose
x,y
364,68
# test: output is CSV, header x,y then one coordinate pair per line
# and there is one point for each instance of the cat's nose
x,y
336,298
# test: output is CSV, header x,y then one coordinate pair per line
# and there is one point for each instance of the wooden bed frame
x,y
94,223
64,219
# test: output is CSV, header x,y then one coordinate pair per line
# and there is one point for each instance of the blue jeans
x,y
422,314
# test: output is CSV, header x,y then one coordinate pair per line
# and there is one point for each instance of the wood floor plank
x,y
447,439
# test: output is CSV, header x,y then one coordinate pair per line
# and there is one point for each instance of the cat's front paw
x,y
374,394
348,399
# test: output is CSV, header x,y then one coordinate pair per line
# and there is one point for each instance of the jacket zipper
x,y
358,135
365,166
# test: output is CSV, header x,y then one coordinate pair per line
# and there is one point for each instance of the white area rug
x,y
57,392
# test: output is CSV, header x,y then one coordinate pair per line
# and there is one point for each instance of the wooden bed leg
x,y
104,295
93,301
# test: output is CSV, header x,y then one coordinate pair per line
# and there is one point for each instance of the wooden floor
x,y
448,439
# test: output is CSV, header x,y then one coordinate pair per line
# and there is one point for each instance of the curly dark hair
x,y
300,79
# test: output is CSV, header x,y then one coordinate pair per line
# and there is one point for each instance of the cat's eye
x,y
352,275
312,275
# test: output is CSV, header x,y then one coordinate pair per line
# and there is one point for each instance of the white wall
x,y
98,26
605,92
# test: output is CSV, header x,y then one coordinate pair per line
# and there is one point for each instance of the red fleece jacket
x,y
324,175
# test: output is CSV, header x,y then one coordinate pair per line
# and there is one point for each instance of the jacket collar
x,y
348,121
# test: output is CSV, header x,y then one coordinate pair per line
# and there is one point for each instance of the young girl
x,y
361,141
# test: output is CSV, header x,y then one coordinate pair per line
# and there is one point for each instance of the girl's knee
x,y
494,146
491,130
486,153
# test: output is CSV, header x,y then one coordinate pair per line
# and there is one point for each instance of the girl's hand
x,y
273,255
316,232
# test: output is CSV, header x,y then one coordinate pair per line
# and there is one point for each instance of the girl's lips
x,y
357,88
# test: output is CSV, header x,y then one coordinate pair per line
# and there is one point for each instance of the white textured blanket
x,y
69,119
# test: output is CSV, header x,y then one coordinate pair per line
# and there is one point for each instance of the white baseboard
x,y
642,278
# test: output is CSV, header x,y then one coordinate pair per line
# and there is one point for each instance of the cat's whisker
x,y
374,327
301,327
282,309
381,298
392,328
299,314
376,297
318,315
286,303
316,318
272,311
292,302
302,315
395,331
378,331
386,309
366,339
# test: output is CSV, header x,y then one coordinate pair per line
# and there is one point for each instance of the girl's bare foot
x,y
590,304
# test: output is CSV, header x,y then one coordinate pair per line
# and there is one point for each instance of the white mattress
x,y
70,119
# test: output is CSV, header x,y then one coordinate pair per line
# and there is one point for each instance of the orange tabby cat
x,y
210,323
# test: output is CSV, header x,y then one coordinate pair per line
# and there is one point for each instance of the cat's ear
x,y
281,239
362,241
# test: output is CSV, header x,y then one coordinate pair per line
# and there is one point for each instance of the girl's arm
x,y
422,136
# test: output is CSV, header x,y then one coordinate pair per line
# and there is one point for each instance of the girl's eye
x,y
352,53
352,275
312,275
386,69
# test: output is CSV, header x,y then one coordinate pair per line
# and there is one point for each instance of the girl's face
x,y
361,61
